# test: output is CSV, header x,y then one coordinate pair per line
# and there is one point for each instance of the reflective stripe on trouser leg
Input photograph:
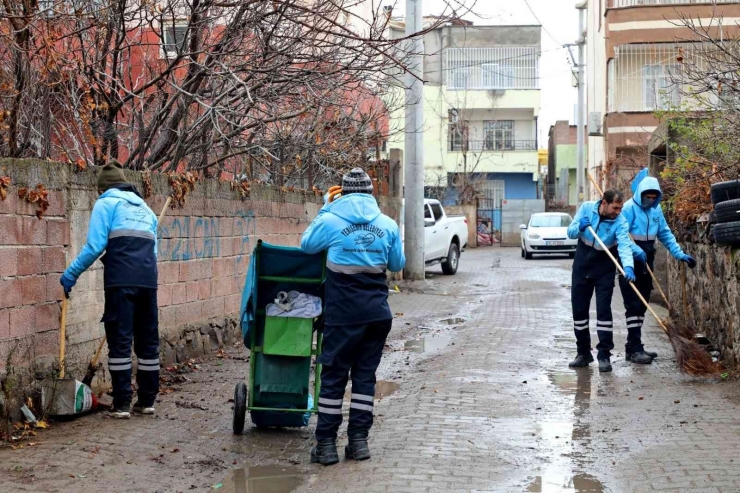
x,y
635,310
604,286
333,384
146,345
581,291
363,379
634,335
118,322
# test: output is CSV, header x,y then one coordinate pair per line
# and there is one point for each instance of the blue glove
x,y
584,223
67,283
690,261
629,274
641,257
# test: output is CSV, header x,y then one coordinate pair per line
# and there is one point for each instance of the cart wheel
x,y
240,407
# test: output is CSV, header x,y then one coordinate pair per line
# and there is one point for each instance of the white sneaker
x,y
119,414
143,410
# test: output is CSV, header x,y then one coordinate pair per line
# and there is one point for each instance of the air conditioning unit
x,y
594,124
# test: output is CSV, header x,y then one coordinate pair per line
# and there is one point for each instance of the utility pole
x,y
414,147
580,128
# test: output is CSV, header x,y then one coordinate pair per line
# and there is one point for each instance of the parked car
x,y
547,232
444,237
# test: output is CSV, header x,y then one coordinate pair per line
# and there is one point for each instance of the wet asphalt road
x,y
475,395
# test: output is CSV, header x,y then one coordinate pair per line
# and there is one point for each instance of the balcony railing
x,y
499,68
492,145
616,4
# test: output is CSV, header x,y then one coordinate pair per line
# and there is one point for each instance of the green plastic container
x,y
287,336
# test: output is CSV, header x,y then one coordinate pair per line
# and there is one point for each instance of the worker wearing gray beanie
x,y
356,181
362,244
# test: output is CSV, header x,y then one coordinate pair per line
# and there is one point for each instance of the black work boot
x,y
357,449
325,453
640,357
581,361
605,365
652,354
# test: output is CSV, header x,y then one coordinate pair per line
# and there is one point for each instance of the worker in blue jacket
x,y
646,223
593,270
362,244
123,226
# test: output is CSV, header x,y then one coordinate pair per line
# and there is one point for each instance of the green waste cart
x,y
278,389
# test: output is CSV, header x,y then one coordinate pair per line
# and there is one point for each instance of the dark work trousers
x,y
131,317
592,271
354,349
634,308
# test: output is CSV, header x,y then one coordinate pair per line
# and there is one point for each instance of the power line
x,y
541,24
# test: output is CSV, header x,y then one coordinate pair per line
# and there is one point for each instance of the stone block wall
x,y
203,250
712,296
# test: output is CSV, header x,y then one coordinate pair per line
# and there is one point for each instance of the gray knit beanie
x,y
111,174
356,181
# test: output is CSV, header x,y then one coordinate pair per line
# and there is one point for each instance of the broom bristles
x,y
690,356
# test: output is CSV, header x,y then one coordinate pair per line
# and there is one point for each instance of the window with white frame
x,y
459,78
173,36
497,76
499,135
660,91
494,190
456,130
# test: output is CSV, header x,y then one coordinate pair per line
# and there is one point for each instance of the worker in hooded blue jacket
x,y
647,223
123,226
593,270
362,243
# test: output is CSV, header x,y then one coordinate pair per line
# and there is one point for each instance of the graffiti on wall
x,y
180,240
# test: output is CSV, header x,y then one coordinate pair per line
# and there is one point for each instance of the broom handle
x,y
632,285
63,337
102,341
655,279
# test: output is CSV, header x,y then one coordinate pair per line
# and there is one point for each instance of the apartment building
x,y
481,103
562,162
633,49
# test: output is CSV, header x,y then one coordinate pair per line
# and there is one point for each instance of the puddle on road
x,y
261,479
562,483
384,389
427,344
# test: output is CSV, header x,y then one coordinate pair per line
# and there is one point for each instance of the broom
x,y
92,368
690,356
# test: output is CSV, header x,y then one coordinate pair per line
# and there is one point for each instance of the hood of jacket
x,y
648,183
356,208
124,192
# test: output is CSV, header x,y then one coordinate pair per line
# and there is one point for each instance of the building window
x,y
459,78
456,131
497,76
499,135
660,91
173,36
494,190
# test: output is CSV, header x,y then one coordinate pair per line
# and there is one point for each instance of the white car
x,y
547,232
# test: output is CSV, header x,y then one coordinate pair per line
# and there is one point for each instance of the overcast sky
x,y
559,18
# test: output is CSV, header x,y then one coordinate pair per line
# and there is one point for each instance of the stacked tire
x,y
726,199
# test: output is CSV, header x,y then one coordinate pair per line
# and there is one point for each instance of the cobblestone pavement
x,y
475,396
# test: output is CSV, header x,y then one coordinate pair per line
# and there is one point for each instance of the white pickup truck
x,y
444,237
